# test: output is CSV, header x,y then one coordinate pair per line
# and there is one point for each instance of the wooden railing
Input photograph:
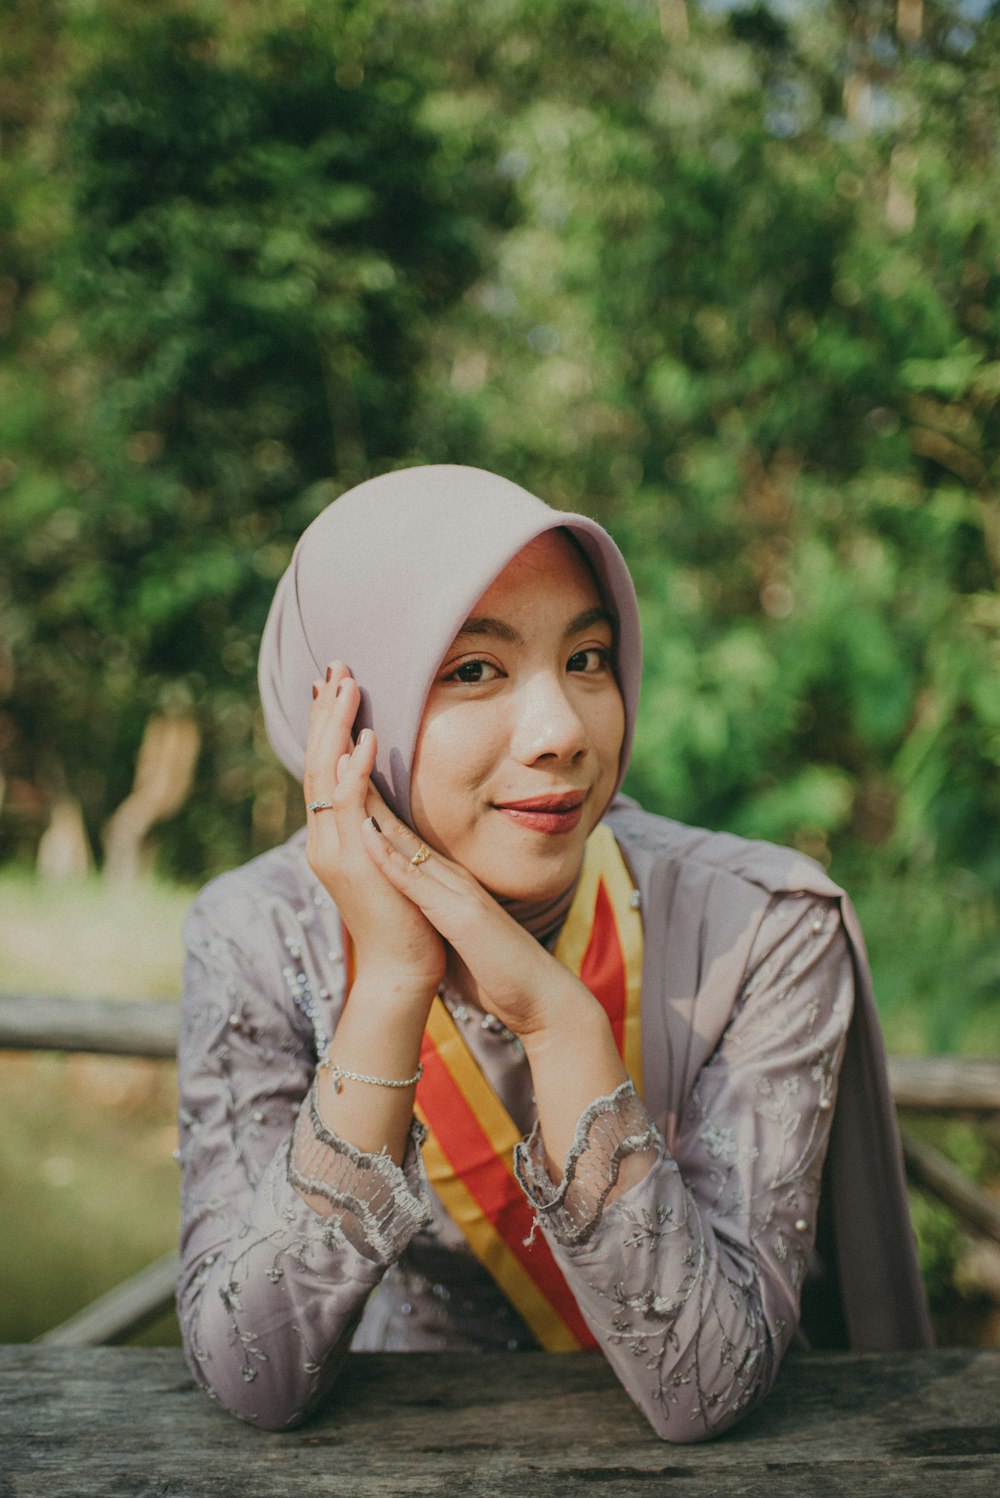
x,y
149,1028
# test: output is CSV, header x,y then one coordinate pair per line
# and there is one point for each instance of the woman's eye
x,y
473,672
589,661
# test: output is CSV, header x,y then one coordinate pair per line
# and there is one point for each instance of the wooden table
x,y
130,1423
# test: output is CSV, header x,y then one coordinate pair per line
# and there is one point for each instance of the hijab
x,y
384,578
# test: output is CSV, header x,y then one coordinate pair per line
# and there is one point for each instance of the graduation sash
x,y
470,1141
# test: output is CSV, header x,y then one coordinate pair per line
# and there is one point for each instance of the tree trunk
x,y
163,775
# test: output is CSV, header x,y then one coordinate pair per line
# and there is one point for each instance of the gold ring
x,y
421,856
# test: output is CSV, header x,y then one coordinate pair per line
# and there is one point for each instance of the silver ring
x,y
320,806
421,856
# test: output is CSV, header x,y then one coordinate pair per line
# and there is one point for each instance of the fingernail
x,y
329,675
340,685
375,825
315,691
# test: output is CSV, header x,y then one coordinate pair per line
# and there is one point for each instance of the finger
x,y
394,864
398,832
426,879
353,771
325,691
333,713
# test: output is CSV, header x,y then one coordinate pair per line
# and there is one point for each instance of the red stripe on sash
x,y
489,1178
470,1152
603,968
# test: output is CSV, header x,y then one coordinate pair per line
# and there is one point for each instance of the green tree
x,y
257,233
748,311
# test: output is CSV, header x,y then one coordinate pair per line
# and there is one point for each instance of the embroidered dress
x,y
690,1282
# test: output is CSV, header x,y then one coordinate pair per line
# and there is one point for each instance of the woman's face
x,y
517,754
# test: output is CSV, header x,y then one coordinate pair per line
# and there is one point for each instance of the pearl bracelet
x,y
339,1073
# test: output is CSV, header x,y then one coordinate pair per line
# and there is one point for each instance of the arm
x,y
691,1279
271,1287
284,1237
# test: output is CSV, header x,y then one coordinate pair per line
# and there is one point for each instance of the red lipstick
x,y
559,811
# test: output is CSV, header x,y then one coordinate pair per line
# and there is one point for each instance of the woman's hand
x,y
565,1032
517,979
393,940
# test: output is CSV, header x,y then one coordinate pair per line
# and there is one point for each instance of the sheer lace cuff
x,y
379,1205
611,1128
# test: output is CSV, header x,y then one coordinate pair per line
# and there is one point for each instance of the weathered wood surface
x,y
123,1311
116,1027
130,1423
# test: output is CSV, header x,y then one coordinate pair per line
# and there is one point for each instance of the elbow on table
x,y
265,1407
691,1407
689,1423
274,1390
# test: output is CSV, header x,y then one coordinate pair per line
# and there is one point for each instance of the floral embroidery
x,y
693,1276
689,1279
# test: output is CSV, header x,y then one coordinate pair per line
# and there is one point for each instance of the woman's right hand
x,y
394,942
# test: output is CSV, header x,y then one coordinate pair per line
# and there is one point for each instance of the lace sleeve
x,y
691,1279
611,1128
378,1205
270,1289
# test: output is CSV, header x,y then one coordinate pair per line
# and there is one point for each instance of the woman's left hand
x,y
519,981
565,1032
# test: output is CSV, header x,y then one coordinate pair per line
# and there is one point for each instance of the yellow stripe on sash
x,y
470,1141
603,861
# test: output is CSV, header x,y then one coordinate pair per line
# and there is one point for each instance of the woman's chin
x,y
532,881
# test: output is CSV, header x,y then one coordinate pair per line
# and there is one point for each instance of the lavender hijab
x,y
384,578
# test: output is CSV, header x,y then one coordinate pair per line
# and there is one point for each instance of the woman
x,y
465,931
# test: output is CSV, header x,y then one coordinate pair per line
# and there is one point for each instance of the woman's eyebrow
x,y
588,618
498,629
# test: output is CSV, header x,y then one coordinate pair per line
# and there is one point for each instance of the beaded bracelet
x,y
338,1073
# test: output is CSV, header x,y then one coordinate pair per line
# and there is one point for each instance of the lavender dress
x,y
754,990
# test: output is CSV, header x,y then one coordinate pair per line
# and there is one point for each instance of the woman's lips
x,y
550,815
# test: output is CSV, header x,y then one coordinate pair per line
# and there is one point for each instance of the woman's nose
x,y
547,723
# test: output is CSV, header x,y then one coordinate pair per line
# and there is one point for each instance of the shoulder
x,y
269,936
694,855
247,901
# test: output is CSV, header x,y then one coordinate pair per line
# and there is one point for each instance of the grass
x,y
87,1174
86,1168
87,1178
89,939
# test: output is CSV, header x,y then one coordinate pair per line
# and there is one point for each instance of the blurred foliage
x,y
725,276
963,1309
219,292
